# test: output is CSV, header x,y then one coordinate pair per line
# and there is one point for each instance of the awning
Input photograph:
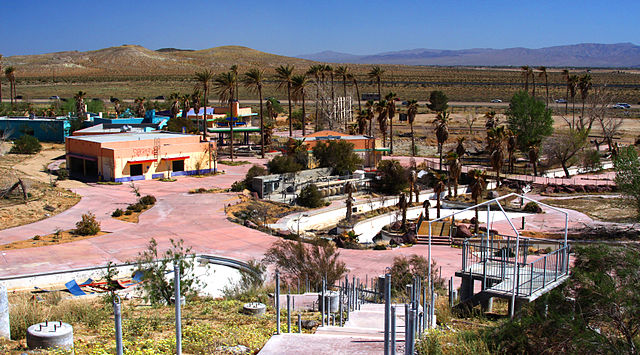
x,y
140,161
80,156
177,158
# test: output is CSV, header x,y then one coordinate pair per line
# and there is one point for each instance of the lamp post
x,y
299,218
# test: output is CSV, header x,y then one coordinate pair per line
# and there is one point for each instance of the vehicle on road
x,y
495,101
622,105
561,101
54,97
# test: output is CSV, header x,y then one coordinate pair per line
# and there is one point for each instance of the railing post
x,y
393,331
531,281
117,315
277,302
387,313
544,272
288,313
176,285
555,275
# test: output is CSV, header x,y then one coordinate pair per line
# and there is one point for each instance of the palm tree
x,y
573,86
565,75
477,187
299,84
355,83
511,149
343,71
584,84
376,74
204,78
362,122
234,70
225,87
140,110
9,72
382,111
391,113
455,170
438,189
460,149
185,103
284,75
81,111
196,100
497,150
426,204
370,110
315,71
442,131
174,99
525,74
543,74
412,111
253,79
116,105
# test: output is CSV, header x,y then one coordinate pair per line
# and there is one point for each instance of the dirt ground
x,y
56,199
50,239
261,212
606,209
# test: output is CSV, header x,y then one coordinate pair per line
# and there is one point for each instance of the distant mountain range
x,y
577,55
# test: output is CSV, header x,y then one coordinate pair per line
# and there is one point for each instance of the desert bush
x,y
404,269
393,177
157,265
591,160
148,200
283,164
300,261
532,207
379,247
26,144
255,170
117,213
338,155
238,186
63,174
250,285
88,225
310,197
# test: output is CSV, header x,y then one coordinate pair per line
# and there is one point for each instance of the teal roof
x,y
235,129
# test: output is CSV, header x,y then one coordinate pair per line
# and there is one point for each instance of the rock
x,y
590,188
492,194
580,188
569,189
409,237
254,195
549,190
339,242
396,225
238,349
309,323
473,220
250,224
49,208
462,231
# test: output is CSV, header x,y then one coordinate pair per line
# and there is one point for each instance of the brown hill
x,y
137,60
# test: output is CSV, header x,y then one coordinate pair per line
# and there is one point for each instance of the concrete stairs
x,y
363,333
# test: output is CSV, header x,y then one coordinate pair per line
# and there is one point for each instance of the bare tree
x,y
563,148
598,111
470,119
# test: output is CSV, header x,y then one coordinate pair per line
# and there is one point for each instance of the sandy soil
x,y
50,239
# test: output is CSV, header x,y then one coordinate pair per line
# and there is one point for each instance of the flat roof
x,y
235,129
126,137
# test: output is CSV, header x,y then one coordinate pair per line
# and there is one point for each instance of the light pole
x,y
299,218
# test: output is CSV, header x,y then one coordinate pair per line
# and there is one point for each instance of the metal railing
x,y
540,273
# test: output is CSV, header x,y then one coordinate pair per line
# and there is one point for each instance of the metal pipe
x,y
176,276
117,315
324,308
299,323
288,313
277,300
393,331
387,313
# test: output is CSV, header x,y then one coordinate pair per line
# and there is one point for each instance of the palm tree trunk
x,y
455,187
440,152
475,229
290,115
566,101
546,84
261,124
230,129
370,128
355,82
413,142
438,205
204,117
533,82
390,136
304,121
379,91
11,92
535,169
317,96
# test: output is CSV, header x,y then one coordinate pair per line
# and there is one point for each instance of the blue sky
x,y
301,27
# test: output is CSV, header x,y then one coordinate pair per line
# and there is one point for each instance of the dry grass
x,y
600,208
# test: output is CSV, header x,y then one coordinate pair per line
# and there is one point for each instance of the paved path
x,y
199,219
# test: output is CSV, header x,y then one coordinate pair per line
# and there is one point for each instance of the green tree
x,y
412,111
442,131
393,177
9,72
284,75
627,167
528,119
282,164
543,74
382,110
438,101
337,154
298,85
477,186
310,197
391,113
225,84
315,71
564,148
254,79
26,144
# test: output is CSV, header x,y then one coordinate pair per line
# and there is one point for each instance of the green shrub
x,y
310,197
379,247
63,174
36,237
283,164
26,145
591,160
238,186
117,213
88,225
137,207
148,200
256,170
393,177
532,207
128,212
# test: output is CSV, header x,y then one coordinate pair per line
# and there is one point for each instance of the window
x,y
135,169
177,165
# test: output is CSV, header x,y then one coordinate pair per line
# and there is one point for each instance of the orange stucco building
x,y
138,156
363,145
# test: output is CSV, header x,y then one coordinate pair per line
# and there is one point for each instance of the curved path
x,y
199,219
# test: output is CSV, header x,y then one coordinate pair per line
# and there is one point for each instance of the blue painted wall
x,y
50,130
